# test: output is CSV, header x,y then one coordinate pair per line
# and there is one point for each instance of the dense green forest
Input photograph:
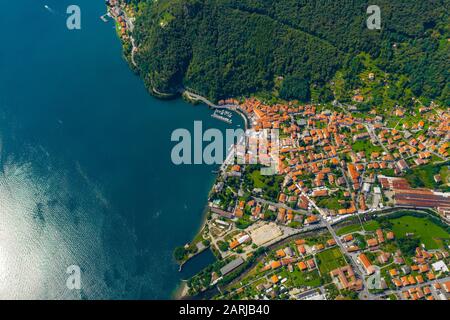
x,y
231,48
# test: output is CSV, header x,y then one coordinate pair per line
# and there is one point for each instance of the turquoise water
x,y
86,176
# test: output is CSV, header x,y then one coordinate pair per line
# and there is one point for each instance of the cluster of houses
x,y
345,279
302,258
426,292
316,157
425,268
115,10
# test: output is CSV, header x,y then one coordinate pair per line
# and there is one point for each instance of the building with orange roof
x,y
275,265
393,272
274,279
302,266
446,286
365,262
424,268
372,242
380,235
280,253
301,249
311,264
420,279
348,238
431,276
234,244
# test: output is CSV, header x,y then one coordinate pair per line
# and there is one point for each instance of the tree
x,y
179,253
295,88
408,245
223,246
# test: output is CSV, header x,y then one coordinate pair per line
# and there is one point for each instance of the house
x,y
390,235
301,249
370,269
446,286
402,165
275,265
372,242
440,266
311,264
280,253
393,272
380,235
345,278
274,279
348,238
406,269
384,257
331,242
302,266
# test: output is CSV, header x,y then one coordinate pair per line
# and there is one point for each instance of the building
x,y
370,269
231,266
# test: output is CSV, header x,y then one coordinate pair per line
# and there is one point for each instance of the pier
x,y
222,115
105,17
235,108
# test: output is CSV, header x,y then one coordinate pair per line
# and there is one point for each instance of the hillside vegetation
x,y
230,48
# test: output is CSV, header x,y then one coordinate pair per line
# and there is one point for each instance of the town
x,y
346,215
357,208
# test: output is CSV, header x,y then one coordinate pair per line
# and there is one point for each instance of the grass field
x,y
329,260
366,146
368,226
299,278
257,179
426,230
424,176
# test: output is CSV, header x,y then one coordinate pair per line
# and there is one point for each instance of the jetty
x,y
230,107
222,115
105,17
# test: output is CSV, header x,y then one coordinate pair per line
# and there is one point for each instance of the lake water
x,y
86,177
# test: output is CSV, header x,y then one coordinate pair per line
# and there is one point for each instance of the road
x,y
364,294
196,97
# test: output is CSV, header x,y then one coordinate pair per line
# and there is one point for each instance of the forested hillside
x,y
229,48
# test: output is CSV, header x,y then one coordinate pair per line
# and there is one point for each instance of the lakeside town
x,y
359,209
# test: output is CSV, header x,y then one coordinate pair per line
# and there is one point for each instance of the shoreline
x,y
181,291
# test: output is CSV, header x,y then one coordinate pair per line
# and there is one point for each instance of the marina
x,y
105,17
223,115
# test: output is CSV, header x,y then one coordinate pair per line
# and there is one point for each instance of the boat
x,y
223,116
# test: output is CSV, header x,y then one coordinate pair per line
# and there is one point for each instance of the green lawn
x,y
257,179
329,260
424,176
366,146
426,230
371,225
330,203
299,278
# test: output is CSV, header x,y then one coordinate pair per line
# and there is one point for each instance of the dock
x,y
222,117
105,17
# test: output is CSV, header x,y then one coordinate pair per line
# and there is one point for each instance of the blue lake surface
x,y
86,176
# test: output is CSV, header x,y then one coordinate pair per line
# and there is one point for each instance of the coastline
x,y
182,289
